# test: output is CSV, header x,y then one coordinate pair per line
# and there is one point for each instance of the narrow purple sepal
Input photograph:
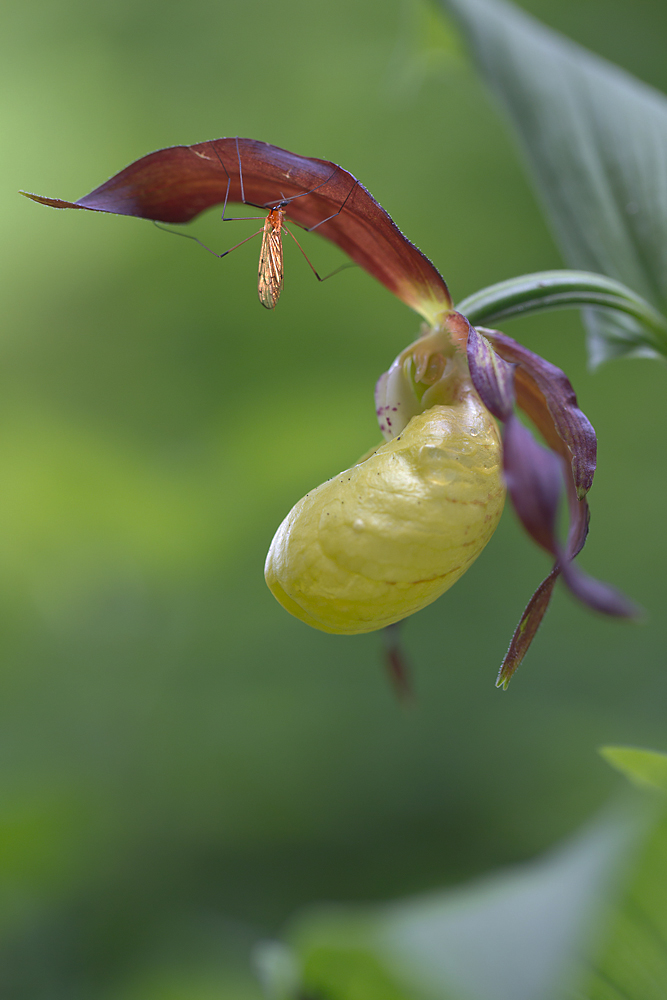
x,y
534,482
492,377
525,631
597,595
573,426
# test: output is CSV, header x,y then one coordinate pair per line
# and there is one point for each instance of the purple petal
x,y
594,593
492,377
580,517
573,426
534,482
597,595
177,183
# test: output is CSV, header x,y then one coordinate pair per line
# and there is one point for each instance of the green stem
x,y
533,293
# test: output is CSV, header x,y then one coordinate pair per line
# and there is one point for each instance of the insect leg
x,y
189,236
238,154
342,267
329,217
245,218
229,180
226,218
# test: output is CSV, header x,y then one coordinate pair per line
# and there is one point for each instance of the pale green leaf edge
x,y
644,768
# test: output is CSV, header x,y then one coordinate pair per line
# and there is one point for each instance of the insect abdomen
x,y
270,275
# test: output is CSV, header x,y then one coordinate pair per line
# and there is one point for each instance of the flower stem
x,y
545,290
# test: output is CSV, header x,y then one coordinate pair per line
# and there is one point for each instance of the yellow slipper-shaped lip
x,y
389,535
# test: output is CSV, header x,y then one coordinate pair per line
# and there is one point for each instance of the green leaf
x,y
340,957
632,964
595,139
547,290
646,768
515,935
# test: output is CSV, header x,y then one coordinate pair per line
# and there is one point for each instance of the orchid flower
x,y
389,535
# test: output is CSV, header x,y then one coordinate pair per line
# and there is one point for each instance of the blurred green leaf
x,y
352,973
633,961
515,935
596,143
646,768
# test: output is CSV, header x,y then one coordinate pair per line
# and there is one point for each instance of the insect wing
x,y
270,277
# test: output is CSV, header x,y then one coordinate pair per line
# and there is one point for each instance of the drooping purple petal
x,y
534,482
573,426
593,593
176,184
535,475
492,377
580,517
531,400
527,628
597,595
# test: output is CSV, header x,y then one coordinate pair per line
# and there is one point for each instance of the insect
x,y
271,271
270,274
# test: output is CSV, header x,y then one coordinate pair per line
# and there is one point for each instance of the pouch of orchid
x,y
391,534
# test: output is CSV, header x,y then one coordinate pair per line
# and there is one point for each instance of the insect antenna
x,y
279,203
304,194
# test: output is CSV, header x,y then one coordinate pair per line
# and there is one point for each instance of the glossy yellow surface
x,y
388,536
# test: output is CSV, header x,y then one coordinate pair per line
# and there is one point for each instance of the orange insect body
x,y
270,275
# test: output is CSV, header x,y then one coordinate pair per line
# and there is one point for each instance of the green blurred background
x,y
184,766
